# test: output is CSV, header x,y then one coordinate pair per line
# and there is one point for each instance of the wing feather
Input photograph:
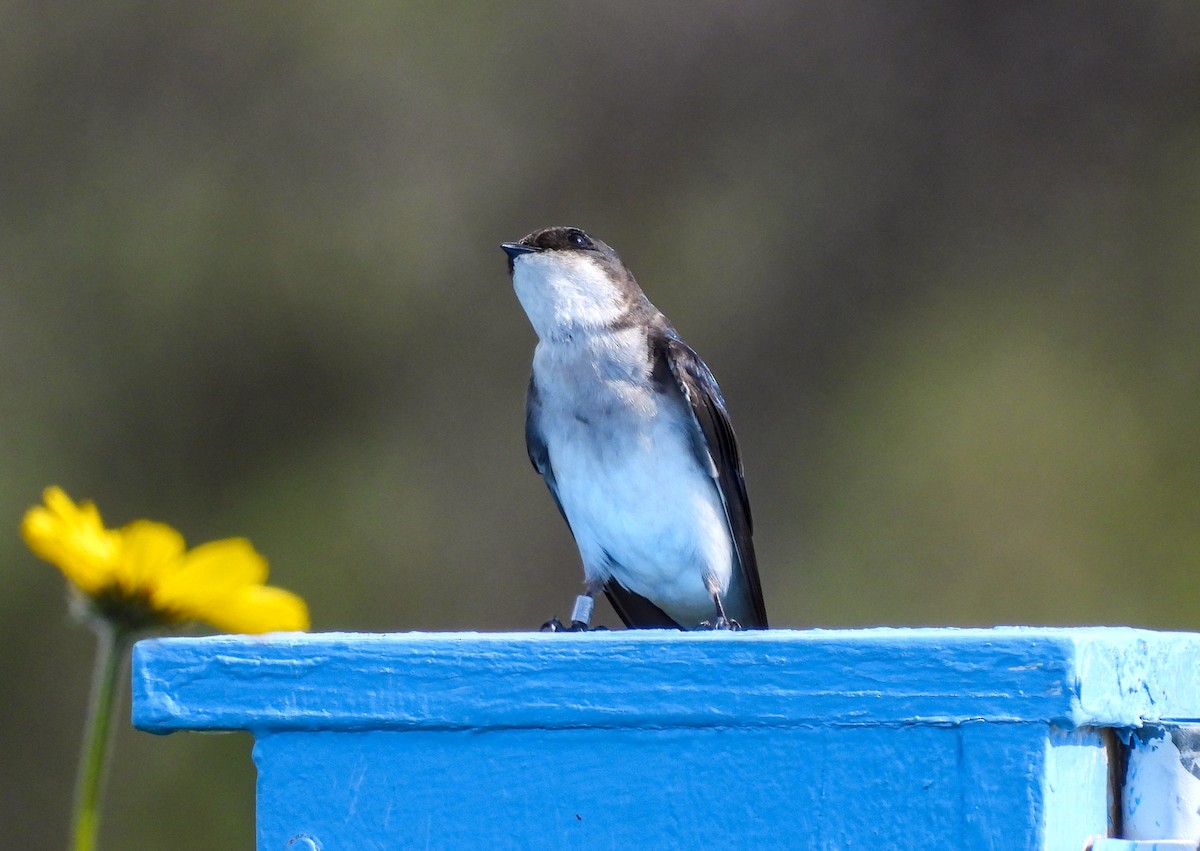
x,y
717,450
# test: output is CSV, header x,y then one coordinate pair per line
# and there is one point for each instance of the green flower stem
x,y
110,662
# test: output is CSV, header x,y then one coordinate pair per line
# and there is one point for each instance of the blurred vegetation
x,y
942,257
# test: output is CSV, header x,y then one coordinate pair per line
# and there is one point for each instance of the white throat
x,y
564,292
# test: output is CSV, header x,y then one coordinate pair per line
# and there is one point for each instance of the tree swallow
x,y
628,428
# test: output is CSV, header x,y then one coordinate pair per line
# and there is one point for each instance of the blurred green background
x,y
942,258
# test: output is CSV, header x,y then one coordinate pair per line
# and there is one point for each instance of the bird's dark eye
x,y
579,239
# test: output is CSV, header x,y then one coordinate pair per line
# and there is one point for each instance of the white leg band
x,y
583,609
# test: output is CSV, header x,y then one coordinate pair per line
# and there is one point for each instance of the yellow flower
x,y
143,575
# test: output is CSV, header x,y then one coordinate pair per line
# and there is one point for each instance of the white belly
x,y
642,509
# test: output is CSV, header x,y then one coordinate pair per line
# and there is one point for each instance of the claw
x,y
555,625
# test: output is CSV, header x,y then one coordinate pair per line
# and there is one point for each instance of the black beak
x,y
515,249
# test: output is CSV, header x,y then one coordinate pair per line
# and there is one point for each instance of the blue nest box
x,y
1004,738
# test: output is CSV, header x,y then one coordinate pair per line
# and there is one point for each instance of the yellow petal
x,y
211,573
73,538
57,502
260,608
149,553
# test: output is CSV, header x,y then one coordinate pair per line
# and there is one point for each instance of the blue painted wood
x,y
1074,784
1143,845
1114,677
923,738
630,788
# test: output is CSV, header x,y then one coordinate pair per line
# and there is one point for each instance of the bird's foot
x,y
555,625
722,623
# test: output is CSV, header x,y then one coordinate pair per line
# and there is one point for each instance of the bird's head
x,y
568,281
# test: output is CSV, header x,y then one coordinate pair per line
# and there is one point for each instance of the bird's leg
x,y
581,615
722,621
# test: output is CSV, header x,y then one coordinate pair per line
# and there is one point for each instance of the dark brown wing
x,y
717,450
635,610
